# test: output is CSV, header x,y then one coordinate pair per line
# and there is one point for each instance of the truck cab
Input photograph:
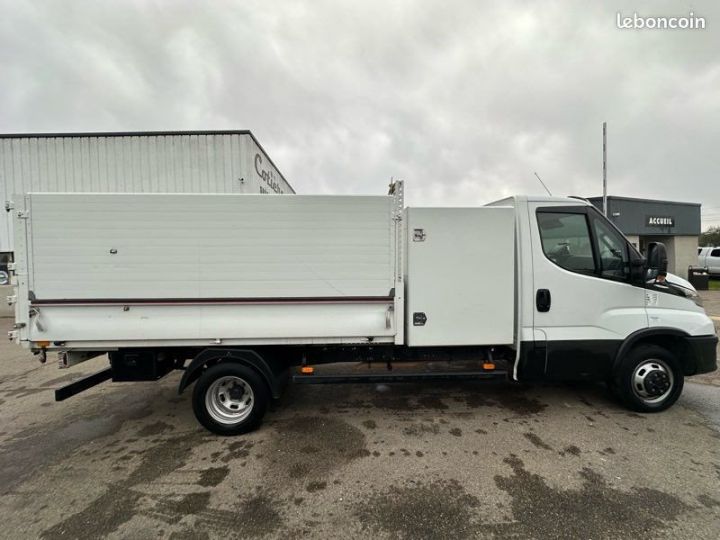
x,y
593,308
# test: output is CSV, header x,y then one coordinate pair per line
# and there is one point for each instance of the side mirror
x,y
657,260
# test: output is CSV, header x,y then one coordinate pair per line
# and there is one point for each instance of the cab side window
x,y
715,253
566,241
612,251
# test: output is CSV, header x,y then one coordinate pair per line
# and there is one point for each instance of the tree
x,y
711,237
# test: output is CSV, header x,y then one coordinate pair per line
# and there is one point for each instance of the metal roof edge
x,y
48,135
640,199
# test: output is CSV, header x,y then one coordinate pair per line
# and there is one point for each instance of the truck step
x,y
69,390
399,377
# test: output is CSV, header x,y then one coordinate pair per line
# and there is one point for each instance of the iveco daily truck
x,y
247,292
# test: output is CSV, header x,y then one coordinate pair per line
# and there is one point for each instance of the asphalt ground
x,y
431,460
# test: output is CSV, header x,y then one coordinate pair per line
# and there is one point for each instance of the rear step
x,y
398,377
83,384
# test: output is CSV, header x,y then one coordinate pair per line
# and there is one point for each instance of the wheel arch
x,y
671,339
247,357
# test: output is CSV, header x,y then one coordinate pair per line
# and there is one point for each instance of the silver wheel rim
x,y
653,381
229,400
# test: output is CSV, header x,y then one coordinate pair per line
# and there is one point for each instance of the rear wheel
x,y
649,379
230,399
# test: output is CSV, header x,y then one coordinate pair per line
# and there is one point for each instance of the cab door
x,y
585,302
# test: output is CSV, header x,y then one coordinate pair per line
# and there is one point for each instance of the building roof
x,y
81,134
652,217
641,200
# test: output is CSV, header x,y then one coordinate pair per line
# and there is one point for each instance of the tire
x,y
649,379
230,399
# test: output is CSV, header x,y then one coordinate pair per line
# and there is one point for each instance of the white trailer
x,y
249,288
134,162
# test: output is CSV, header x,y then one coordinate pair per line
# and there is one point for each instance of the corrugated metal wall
x,y
183,162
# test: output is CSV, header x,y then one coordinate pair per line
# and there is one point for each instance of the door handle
x,y
542,300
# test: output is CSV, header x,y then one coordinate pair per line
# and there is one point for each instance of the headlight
x,y
4,278
694,296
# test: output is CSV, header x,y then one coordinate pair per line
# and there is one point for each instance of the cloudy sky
x,y
462,100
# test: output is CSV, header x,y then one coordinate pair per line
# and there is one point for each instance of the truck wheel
x,y
230,399
649,379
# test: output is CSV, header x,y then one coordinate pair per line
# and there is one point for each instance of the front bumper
x,y
704,351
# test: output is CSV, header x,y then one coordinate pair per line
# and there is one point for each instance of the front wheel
x,y
230,399
649,379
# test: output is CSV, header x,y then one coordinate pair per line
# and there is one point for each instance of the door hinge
x,y
11,300
23,214
9,205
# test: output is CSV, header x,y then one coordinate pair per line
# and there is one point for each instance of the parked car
x,y
4,277
709,257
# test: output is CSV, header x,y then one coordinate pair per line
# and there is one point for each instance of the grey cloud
x,y
463,100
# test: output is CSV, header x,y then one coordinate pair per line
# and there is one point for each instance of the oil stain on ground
x,y
118,504
173,509
507,397
28,451
156,428
537,441
422,428
255,517
335,443
437,509
236,450
596,510
213,476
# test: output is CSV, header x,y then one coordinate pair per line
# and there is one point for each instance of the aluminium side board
x,y
204,269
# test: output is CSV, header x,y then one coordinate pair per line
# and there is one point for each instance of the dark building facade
x,y
676,224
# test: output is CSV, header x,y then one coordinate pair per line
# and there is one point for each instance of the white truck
x,y
709,257
245,292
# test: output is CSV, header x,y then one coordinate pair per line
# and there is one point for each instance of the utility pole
x,y
605,208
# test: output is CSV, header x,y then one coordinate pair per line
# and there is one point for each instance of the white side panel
x,y
122,246
206,324
461,276
671,311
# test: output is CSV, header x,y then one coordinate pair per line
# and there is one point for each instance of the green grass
x,y
714,285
